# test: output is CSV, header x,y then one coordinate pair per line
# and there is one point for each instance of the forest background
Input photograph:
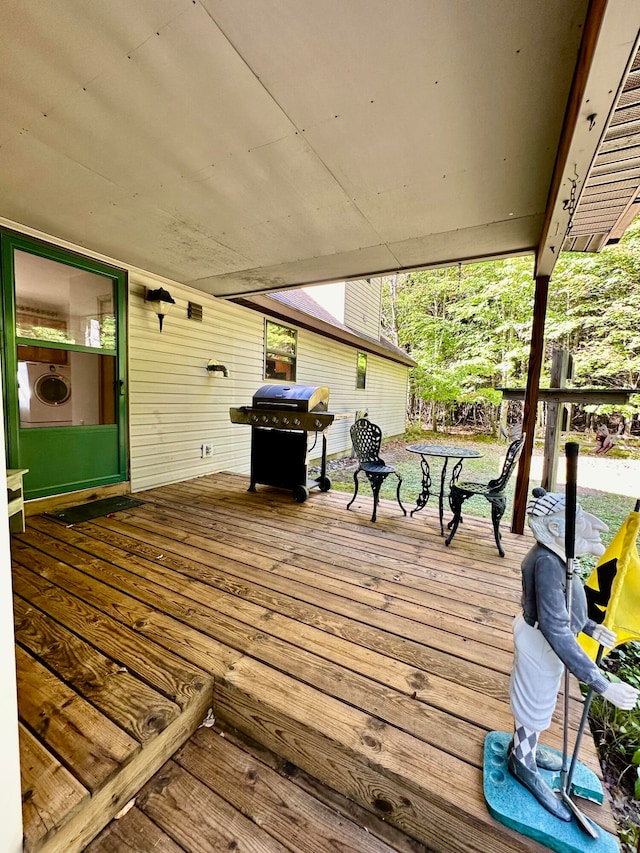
x,y
469,330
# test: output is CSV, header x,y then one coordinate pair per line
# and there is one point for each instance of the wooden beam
x,y
561,369
547,255
531,402
592,396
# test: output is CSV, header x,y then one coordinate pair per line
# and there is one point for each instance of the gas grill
x,y
281,418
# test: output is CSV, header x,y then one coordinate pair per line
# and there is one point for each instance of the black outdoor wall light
x,y
161,301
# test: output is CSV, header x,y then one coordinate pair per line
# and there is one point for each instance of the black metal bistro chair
x,y
493,491
367,438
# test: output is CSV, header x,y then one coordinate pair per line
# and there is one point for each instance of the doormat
x,y
94,509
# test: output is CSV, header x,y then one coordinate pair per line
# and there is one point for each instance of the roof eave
x,y
266,305
606,53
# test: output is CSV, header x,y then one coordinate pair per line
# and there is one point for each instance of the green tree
x,y
469,328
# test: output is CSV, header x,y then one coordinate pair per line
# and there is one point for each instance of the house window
x,y
361,370
280,352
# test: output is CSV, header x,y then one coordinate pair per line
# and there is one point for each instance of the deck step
x,y
410,784
246,798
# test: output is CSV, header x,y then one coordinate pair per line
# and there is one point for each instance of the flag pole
x,y
571,450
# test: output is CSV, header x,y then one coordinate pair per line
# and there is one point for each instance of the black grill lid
x,y
302,398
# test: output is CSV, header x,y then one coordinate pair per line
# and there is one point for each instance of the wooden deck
x,y
368,655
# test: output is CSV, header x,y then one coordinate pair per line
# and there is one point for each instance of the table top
x,y
447,450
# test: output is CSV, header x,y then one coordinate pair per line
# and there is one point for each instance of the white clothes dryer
x,y
45,394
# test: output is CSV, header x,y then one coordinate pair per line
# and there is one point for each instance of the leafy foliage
x,y
469,328
618,732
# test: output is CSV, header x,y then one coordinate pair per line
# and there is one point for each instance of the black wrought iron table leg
x,y
425,494
443,476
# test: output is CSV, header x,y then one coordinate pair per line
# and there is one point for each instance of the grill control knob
x,y
254,419
274,419
296,421
265,419
285,421
318,424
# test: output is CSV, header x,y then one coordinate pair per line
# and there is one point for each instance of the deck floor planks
x,y
491,638
307,667
162,671
400,708
412,545
291,815
419,606
317,532
227,611
127,701
429,626
335,565
332,799
169,573
133,833
419,788
412,538
480,703
353,649
69,726
326,614
198,818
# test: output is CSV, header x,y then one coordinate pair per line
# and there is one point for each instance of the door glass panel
x,y
58,302
75,389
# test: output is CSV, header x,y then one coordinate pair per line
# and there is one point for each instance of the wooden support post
x,y
531,402
560,370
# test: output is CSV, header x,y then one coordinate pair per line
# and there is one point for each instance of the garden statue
x,y
605,440
545,641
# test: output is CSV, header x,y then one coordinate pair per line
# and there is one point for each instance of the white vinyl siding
x,y
176,405
363,300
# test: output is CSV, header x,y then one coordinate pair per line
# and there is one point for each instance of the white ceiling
x,y
247,145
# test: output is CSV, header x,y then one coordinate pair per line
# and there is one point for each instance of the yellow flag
x,y
613,589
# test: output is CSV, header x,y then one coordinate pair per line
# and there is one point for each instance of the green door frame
x,y
9,242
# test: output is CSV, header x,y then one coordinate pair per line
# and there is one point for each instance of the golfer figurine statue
x,y
545,641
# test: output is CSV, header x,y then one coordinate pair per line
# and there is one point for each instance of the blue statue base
x,y
513,805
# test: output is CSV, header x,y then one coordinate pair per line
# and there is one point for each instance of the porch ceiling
x,y
249,146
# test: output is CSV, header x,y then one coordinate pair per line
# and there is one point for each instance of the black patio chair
x,y
367,438
493,491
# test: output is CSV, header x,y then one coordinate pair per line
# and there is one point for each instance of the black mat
x,y
94,509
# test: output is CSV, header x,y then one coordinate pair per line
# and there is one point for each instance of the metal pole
x,y
581,727
571,450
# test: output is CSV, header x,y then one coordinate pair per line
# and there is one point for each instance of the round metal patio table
x,y
445,452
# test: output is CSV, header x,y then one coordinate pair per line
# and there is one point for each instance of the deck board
x,y
351,648
50,794
69,726
129,702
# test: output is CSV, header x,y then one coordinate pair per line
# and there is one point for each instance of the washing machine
x,y
45,394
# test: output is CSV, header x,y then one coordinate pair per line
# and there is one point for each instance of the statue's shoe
x,y
534,783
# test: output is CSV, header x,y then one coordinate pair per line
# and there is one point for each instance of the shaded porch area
x,y
367,655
